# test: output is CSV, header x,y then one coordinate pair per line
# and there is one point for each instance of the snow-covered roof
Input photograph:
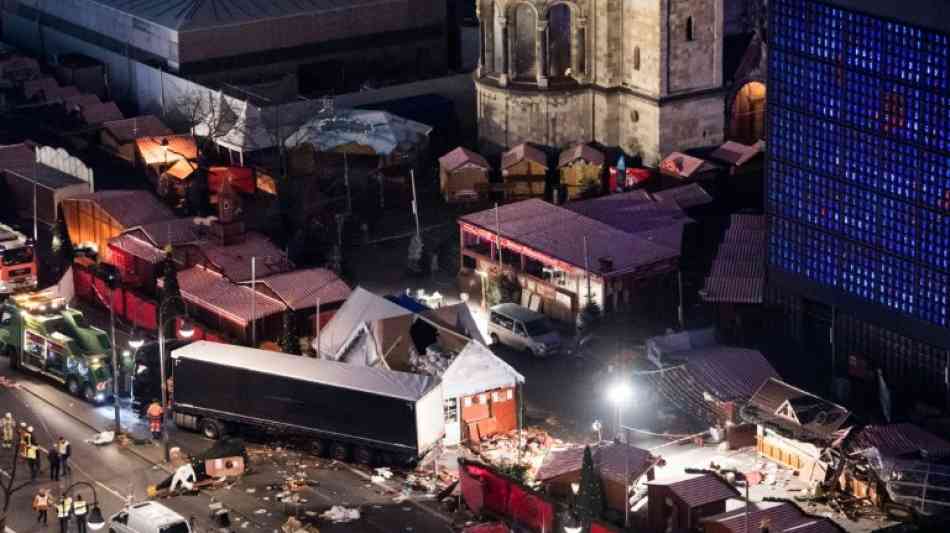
x,y
361,307
476,369
399,385
379,130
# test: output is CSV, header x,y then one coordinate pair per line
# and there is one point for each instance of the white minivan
x,y
523,329
148,517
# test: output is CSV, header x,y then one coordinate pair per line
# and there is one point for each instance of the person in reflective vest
x,y
33,459
41,506
79,511
26,438
63,510
155,413
9,425
64,449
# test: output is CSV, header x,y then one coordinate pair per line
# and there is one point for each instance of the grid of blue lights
x,y
859,167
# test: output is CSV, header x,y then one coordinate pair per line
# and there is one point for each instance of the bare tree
x,y
207,115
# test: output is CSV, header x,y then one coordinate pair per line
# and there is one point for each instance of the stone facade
x,y
646,76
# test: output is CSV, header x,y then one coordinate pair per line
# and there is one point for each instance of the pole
x,y
498,236
346,183
587,268
115,357
161,368
746,504
679,283
415,202
254,302
316,325
626,455
36,230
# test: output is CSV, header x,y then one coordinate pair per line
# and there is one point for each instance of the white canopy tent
x,y
477,369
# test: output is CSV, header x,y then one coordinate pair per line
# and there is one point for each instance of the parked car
x,y
148,517
523,329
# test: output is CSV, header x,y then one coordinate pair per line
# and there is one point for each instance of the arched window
x,y
689,28
523,40
560,33
636,58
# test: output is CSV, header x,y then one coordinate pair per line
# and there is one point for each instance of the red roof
x,y
559,233
19,158
583,152
460,157
684,166
234,260
100,113
136,247
300,289
736,154
240,178
699,489
128,129
611,459
212,291
128,207
738,271
520,153
780,516
901,440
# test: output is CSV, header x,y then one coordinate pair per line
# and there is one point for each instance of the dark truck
x,y
342,410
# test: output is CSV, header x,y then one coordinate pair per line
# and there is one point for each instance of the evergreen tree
x,y
62,243
590,497
170,293
289,342
198,196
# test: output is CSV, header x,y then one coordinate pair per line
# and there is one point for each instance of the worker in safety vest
x,y
26,438
65,450
33,459
79,511
41,506
9,426
155,413
63,508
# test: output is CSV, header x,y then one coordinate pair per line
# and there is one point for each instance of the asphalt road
x,y
117,473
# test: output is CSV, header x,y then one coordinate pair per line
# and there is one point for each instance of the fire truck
x,y
17,261
43,335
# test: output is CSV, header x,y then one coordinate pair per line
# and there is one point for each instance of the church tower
x,y
645,75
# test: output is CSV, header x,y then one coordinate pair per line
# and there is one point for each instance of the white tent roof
x,y
476,369
382,131
400,385
361,307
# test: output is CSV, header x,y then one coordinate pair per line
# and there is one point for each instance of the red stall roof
x,y
241,178
611,459
699,489
299,289
460,157
212,291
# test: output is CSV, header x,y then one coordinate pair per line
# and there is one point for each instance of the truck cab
x,y
42,335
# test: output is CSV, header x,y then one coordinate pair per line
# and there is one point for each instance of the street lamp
x,y
186,331
94,518
597,427
619,393
135,343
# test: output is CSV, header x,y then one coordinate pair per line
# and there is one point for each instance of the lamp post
x,y
135,343
742,476
619,393
94,518
114,282
186,331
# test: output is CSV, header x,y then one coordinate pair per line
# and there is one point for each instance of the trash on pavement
x,y
340,515
101,439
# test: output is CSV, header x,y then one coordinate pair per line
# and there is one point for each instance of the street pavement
x,y
123,473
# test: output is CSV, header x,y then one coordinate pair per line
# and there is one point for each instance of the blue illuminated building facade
x,y
858,181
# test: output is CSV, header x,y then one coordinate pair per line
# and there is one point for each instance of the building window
x,y
636,58
689,28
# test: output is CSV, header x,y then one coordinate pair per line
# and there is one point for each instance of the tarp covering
x,y
476,369
361,307
379,130
400,385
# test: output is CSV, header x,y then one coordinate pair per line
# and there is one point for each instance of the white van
x,y
148,517
523,329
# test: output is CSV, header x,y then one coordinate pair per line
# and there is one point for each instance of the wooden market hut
x,y
118,136
686,168
523,171
580,167
679,503
95,218
463,175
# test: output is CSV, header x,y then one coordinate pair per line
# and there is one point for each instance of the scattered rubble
x,y
341,515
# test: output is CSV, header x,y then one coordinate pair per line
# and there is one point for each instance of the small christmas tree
x,y
289,341
590,497
171,293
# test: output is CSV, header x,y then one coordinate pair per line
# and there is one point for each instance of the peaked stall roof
x,y
584,152
398,385
463,156
128,207
299,289
699,489
817,418
477,369
212,291
101,113
611,459
361,307
901,440
521,152
785,517
126,130
557,232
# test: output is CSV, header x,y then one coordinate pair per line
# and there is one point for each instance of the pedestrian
x,y
54,461
26,437
9,426
41,506
155,413
79,511
33,459
65,449
62,513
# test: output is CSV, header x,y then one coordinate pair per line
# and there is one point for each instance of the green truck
x,y
43,335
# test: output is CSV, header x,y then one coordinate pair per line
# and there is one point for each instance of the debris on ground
x,y
102,438
341,515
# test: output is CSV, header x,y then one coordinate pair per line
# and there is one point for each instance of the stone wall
x,y
695,64
640,126
643,25
690,123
